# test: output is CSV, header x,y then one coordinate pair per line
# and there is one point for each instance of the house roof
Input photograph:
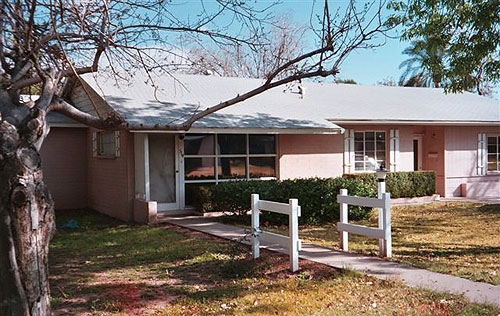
x,y
320,107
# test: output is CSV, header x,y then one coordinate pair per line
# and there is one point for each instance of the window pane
x,y
380,136
359,156
199,168
196,144
369,154
359,166
231,144
381,155
370,136
492,167
106,144
262,167
232,168
492,158
358,136
492,140
358,146
262,144
369,145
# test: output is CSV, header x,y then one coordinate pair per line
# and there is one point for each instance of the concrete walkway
x,y
475,291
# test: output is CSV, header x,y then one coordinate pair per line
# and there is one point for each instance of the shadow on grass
x,y
108,266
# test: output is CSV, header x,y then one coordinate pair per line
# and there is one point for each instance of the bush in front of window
x,y
317,198
403,183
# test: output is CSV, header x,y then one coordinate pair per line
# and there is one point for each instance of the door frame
x,y
418,138
165,207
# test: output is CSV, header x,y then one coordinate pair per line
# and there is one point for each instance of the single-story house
x,y
295,131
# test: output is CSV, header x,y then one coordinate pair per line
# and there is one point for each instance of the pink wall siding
x,y
111,180
461,162
305,156
64,164
433,155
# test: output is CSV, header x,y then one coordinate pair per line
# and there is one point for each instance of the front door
x,y
164,171
417,153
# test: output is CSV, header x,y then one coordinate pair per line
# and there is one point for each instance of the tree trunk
x,y
26,217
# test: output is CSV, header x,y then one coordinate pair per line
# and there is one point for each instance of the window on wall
x,y
106,144
369,150
494,153
224,157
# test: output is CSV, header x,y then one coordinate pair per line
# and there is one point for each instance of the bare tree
x,y
43,43
285,42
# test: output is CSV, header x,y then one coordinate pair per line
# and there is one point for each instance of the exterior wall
x,y
305,156
461,163
111,180
433,156
64,165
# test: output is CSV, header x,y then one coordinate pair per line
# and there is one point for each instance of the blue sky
x,y
364,66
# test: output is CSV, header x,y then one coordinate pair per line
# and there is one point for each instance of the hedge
x,y
401,184
317,197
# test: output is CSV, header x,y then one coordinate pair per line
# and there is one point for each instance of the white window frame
x,y
364,149
493,172
247,157
97,148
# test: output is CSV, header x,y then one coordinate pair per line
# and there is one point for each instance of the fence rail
x,y
291,242
383,232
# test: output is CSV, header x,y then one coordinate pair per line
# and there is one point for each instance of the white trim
x,y
482,154
394,150
413,122
146,168
195,130
349,151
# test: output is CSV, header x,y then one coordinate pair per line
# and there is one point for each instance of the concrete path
x,y
475,291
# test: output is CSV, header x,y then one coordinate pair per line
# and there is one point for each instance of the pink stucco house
x,y
321,129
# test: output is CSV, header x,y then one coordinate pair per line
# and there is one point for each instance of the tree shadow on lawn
x,y
130,268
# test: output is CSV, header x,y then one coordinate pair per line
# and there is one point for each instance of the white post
x,y
343,219
381,174
293,229
255,226
387,225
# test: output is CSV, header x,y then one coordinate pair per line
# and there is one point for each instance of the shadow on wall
x,y
166,113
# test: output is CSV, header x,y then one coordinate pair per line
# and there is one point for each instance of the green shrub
x,y
403,183
317,198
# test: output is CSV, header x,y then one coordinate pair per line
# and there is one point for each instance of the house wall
x,y
461,163
111,180
64,165
305,156
433,155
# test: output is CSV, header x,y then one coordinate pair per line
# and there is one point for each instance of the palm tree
x,y
424,67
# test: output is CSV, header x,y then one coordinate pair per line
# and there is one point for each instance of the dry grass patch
x,y
462,239
107,268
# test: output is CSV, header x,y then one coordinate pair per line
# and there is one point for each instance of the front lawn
x,y
106,267
457,238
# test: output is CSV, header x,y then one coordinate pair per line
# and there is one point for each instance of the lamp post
x,y
381,174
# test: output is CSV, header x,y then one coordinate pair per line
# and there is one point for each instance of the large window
x,y
215,158
369,150
494,153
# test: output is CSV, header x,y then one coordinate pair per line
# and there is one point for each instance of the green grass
x,y
462,239
108,268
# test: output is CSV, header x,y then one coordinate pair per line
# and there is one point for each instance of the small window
x,y
494,153
369,150
106,144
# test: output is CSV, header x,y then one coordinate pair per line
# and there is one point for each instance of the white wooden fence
x,y
291,242
383,232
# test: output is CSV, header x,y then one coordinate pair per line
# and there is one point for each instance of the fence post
x,y
255,226
344,219
387,225
293,229
381,191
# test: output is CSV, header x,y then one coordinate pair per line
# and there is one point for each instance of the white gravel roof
x,y
322,104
